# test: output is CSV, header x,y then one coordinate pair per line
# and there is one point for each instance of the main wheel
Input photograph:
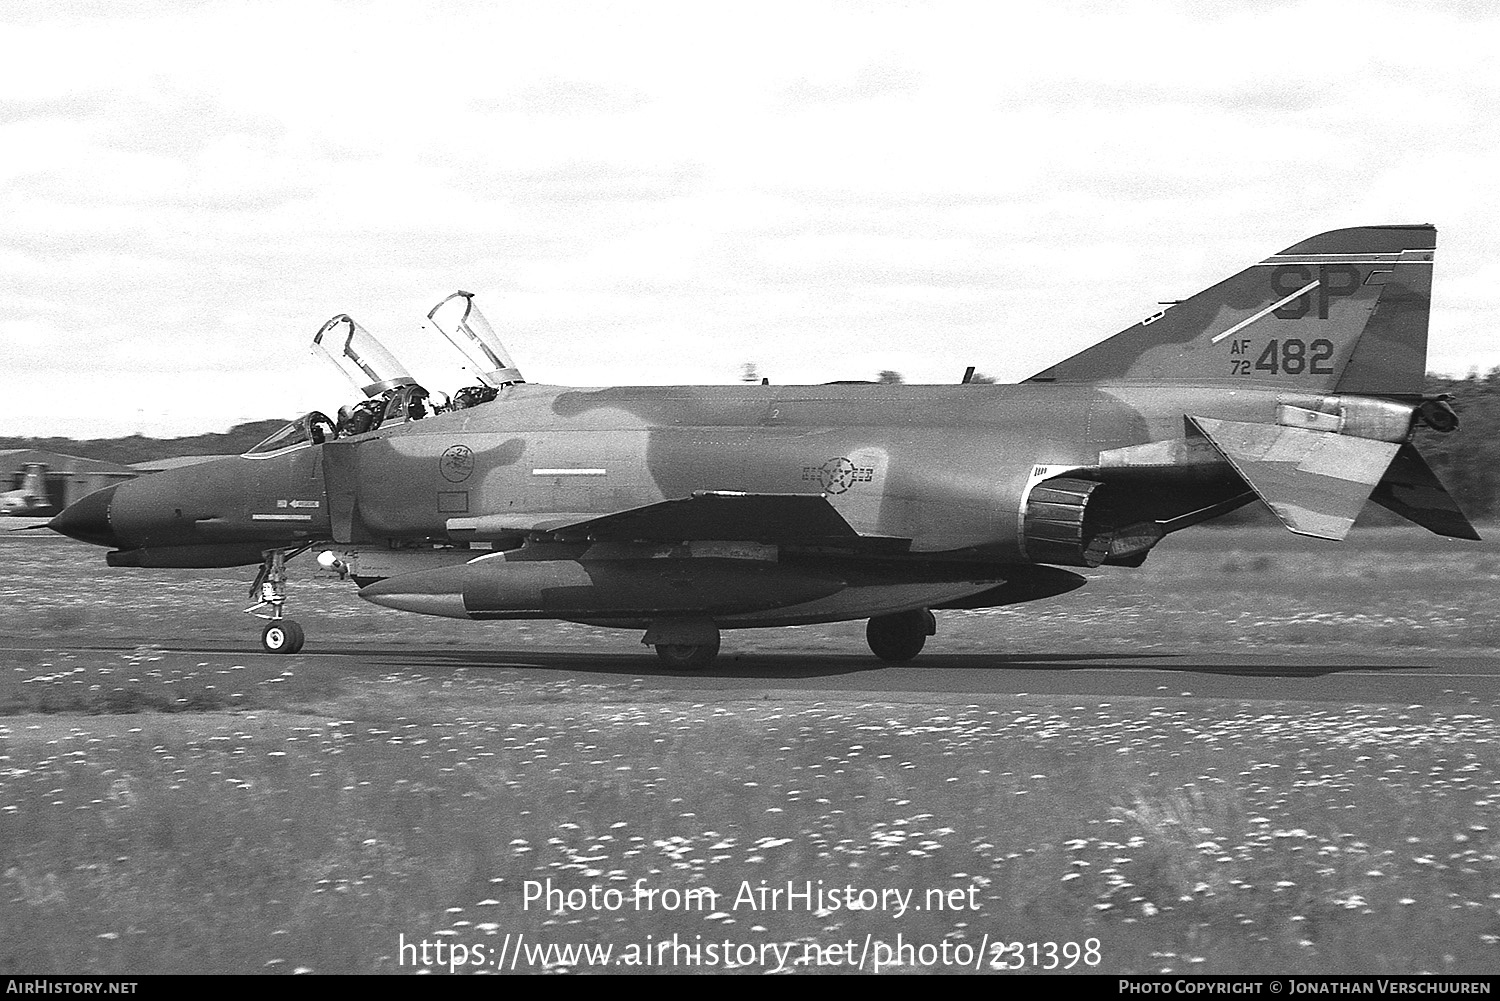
x,y
899,637
683,657
282,636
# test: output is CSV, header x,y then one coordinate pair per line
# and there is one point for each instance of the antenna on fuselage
x,y
459,320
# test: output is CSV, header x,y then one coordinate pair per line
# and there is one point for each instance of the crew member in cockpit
x,y
364,417
473,396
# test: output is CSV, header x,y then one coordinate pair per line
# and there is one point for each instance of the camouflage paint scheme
x,y
684,510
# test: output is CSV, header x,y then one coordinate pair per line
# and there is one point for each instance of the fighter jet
x,y
31,496
683,511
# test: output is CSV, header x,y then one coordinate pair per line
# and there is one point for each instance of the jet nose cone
x,y
88,519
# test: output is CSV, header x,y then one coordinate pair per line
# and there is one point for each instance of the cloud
x,y
74,107
581,182
661,193
566,99
870,82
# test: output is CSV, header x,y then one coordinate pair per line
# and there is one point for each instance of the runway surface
x,y
1311,675
1391,617
1248,755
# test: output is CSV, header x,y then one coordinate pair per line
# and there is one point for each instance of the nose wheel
x,y
281,634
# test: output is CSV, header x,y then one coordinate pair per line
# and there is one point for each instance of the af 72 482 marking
x,y
1283,356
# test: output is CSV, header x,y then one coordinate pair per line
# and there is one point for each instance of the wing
x,y
781,519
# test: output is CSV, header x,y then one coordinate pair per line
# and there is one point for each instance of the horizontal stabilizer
x,y
1411,489
1316,482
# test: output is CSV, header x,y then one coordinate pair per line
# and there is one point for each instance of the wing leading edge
x,y
783,519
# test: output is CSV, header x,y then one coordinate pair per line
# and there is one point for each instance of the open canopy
x,y
459,320
363,359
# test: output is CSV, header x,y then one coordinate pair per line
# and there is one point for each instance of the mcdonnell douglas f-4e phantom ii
x,y
683,511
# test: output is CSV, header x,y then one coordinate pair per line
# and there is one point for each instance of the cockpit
x,y
310,429
391,394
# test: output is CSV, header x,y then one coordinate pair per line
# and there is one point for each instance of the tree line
x,y
139,448
1468,460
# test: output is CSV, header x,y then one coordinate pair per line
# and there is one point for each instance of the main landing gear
x,y
900,637
280,635
687,656
684,644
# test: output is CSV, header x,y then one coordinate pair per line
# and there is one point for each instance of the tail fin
x,y
1343,312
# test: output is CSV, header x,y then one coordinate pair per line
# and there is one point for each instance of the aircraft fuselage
x,y
943,466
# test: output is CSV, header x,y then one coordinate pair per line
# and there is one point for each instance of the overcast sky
x,y
652,193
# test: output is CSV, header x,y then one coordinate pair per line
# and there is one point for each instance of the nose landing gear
x,y
280,635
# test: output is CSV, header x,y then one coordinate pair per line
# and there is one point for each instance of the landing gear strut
x,y
281,635
900,637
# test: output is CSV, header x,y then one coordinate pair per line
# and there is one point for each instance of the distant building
x,y
175,462
66,478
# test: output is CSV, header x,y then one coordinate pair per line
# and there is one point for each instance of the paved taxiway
x,y
1306,675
